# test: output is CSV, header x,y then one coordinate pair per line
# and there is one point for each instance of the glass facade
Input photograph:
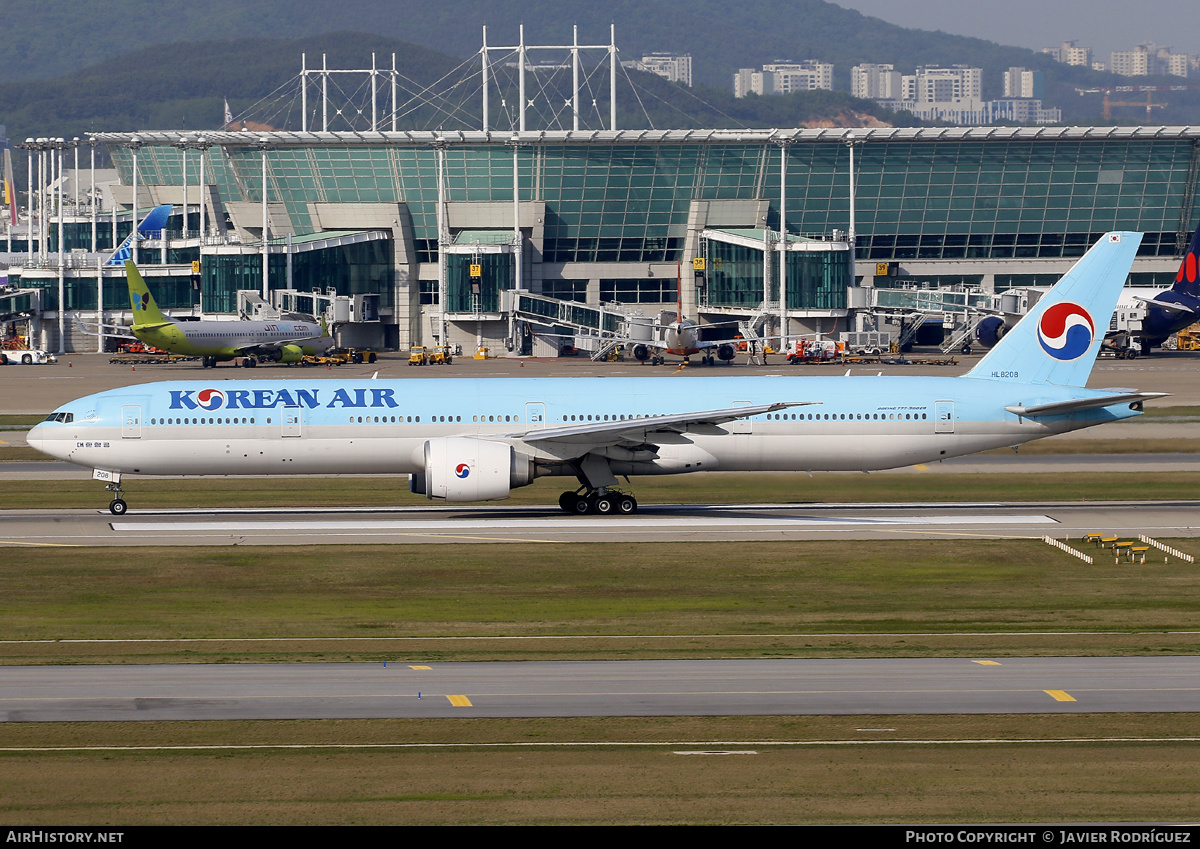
x,y
816,280
362,268
948,196
915,199
465,293
655,290
80,292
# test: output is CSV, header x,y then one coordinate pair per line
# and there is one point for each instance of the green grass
x,y
608,784
15,420
784,488
836,599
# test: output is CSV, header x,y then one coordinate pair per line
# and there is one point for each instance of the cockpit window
x,y
61,417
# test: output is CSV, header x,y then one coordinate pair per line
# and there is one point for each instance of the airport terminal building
x,y
513,241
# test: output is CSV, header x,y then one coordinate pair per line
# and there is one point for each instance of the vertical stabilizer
x,y
1187,280
1057,341
145,312
154,222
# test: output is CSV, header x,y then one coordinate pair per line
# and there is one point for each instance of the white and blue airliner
x,y
477,439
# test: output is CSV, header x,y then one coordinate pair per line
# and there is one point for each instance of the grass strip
x,y
1049,781
730,488
628,601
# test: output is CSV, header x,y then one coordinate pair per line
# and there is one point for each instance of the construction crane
x,y
1148,102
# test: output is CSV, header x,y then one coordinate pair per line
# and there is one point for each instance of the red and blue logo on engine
x,y
1065,331
462,470
210,399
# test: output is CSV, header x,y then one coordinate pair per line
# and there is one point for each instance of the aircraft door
x,y
131,422
943,417
291,420
741,425
535,414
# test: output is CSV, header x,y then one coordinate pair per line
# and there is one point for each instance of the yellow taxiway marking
x,y
40,544
985,662
420,667
460,701
1059,695
921,467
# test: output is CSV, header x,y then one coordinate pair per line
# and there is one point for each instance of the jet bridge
x,y
595,328
957,309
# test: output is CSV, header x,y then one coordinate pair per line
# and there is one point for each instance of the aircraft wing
x,y
107,328
1058,408
641,431
273,345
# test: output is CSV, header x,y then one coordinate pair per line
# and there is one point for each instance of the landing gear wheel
x,y
566,502
581,505
606,505
118,507
626,504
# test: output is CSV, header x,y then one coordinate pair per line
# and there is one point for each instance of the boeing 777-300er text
x,y
284,341
477,439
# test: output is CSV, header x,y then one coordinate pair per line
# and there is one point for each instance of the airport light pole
x,y
263,144
58,146
92,194
183,145
135,144
202,144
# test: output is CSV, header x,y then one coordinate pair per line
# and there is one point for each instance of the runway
x,y
652,523
600,688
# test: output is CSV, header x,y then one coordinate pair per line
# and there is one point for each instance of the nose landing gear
x,y
117,506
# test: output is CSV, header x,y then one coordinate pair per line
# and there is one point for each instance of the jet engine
x,y
460,468
990,330
641,353
726,352
288,354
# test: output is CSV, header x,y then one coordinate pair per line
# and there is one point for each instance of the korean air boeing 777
x,y
477,439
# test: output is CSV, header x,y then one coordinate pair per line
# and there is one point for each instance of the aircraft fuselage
x,y
252,427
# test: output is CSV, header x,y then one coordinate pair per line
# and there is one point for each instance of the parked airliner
x,y
285,341
477,439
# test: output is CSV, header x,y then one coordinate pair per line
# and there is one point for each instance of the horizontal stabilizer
x,y
1060,408
1166,305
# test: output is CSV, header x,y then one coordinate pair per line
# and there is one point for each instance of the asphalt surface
x,y
654,523
599,688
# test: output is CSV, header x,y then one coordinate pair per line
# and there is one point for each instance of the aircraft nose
x,y
36,438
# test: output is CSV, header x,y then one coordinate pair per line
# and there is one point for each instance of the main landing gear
x,y
602,501
117,506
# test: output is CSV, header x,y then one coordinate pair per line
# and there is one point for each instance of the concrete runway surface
x,y
654,523
600,688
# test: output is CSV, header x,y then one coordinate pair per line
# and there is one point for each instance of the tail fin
x,y
1187,280
1057,341
154,222
145,312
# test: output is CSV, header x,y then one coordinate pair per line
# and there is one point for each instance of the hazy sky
x,y
1103,25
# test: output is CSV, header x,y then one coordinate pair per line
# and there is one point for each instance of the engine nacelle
x,y
641,353
726,352
288,354
460,468
990,330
